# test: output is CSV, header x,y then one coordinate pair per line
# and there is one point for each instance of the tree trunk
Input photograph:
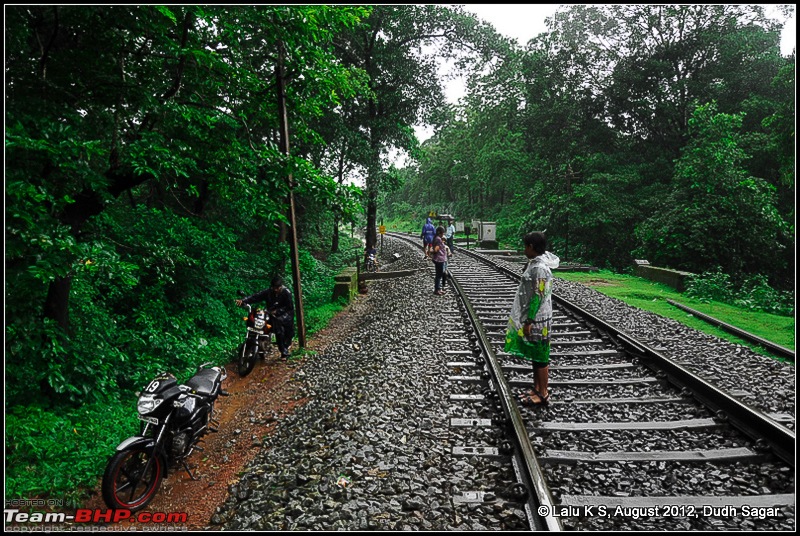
x,y
56,305
373,178
335,237
372,209
340,180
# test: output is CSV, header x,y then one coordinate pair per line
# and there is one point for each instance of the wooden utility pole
x,y
284,147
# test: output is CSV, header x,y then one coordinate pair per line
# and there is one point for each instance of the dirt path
x,y
256,405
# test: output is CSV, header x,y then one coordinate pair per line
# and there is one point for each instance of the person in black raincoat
x,y
280,306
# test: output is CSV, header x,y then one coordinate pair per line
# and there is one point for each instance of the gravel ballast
x,y
371,448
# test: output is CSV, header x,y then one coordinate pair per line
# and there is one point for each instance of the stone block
x,y
345,284
673,278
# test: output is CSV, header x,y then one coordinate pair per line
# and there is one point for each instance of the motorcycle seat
x,y
205,382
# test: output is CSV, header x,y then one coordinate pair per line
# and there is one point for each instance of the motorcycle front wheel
x,y
264,347
131,479
247,359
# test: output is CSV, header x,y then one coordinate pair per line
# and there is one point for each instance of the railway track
x,y
631,439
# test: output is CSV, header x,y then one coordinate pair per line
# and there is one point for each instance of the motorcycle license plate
x,y
145,418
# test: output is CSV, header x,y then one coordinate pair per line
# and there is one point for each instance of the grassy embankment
x,y
653,297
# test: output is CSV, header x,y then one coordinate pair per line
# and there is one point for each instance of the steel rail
x,y
747,419
741,416
539,499
749,337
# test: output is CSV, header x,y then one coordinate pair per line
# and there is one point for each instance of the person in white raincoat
x,y
528,332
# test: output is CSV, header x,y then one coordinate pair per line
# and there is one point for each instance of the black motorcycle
x,y
174,419
257,343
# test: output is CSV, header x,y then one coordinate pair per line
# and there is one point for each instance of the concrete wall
x,y
673,278
347,282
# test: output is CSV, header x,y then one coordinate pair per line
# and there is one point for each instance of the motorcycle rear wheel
x,y
247,359
132,478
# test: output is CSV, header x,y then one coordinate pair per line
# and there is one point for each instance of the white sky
x,y
520,21
525,21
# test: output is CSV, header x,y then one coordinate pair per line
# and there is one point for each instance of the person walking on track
x,y
428,232
439,257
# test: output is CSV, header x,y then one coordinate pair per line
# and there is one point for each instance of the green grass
x,y
653,297
317,319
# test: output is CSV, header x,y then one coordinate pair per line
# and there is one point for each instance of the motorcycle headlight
x,y
148,404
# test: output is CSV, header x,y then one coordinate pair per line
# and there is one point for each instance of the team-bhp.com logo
x,y
86,515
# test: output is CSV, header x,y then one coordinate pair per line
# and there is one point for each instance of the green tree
x,y
134,137
344,156
716,214
646,65
403,82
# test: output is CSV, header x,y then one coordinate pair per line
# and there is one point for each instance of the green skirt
x,y
537,351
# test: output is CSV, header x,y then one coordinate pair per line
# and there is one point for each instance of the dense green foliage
x,y
628,131
144,184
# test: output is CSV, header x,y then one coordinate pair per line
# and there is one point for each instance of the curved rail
x,y
771,346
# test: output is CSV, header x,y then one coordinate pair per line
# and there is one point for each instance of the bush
x,y
58,442
53,452
754,292
710,285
